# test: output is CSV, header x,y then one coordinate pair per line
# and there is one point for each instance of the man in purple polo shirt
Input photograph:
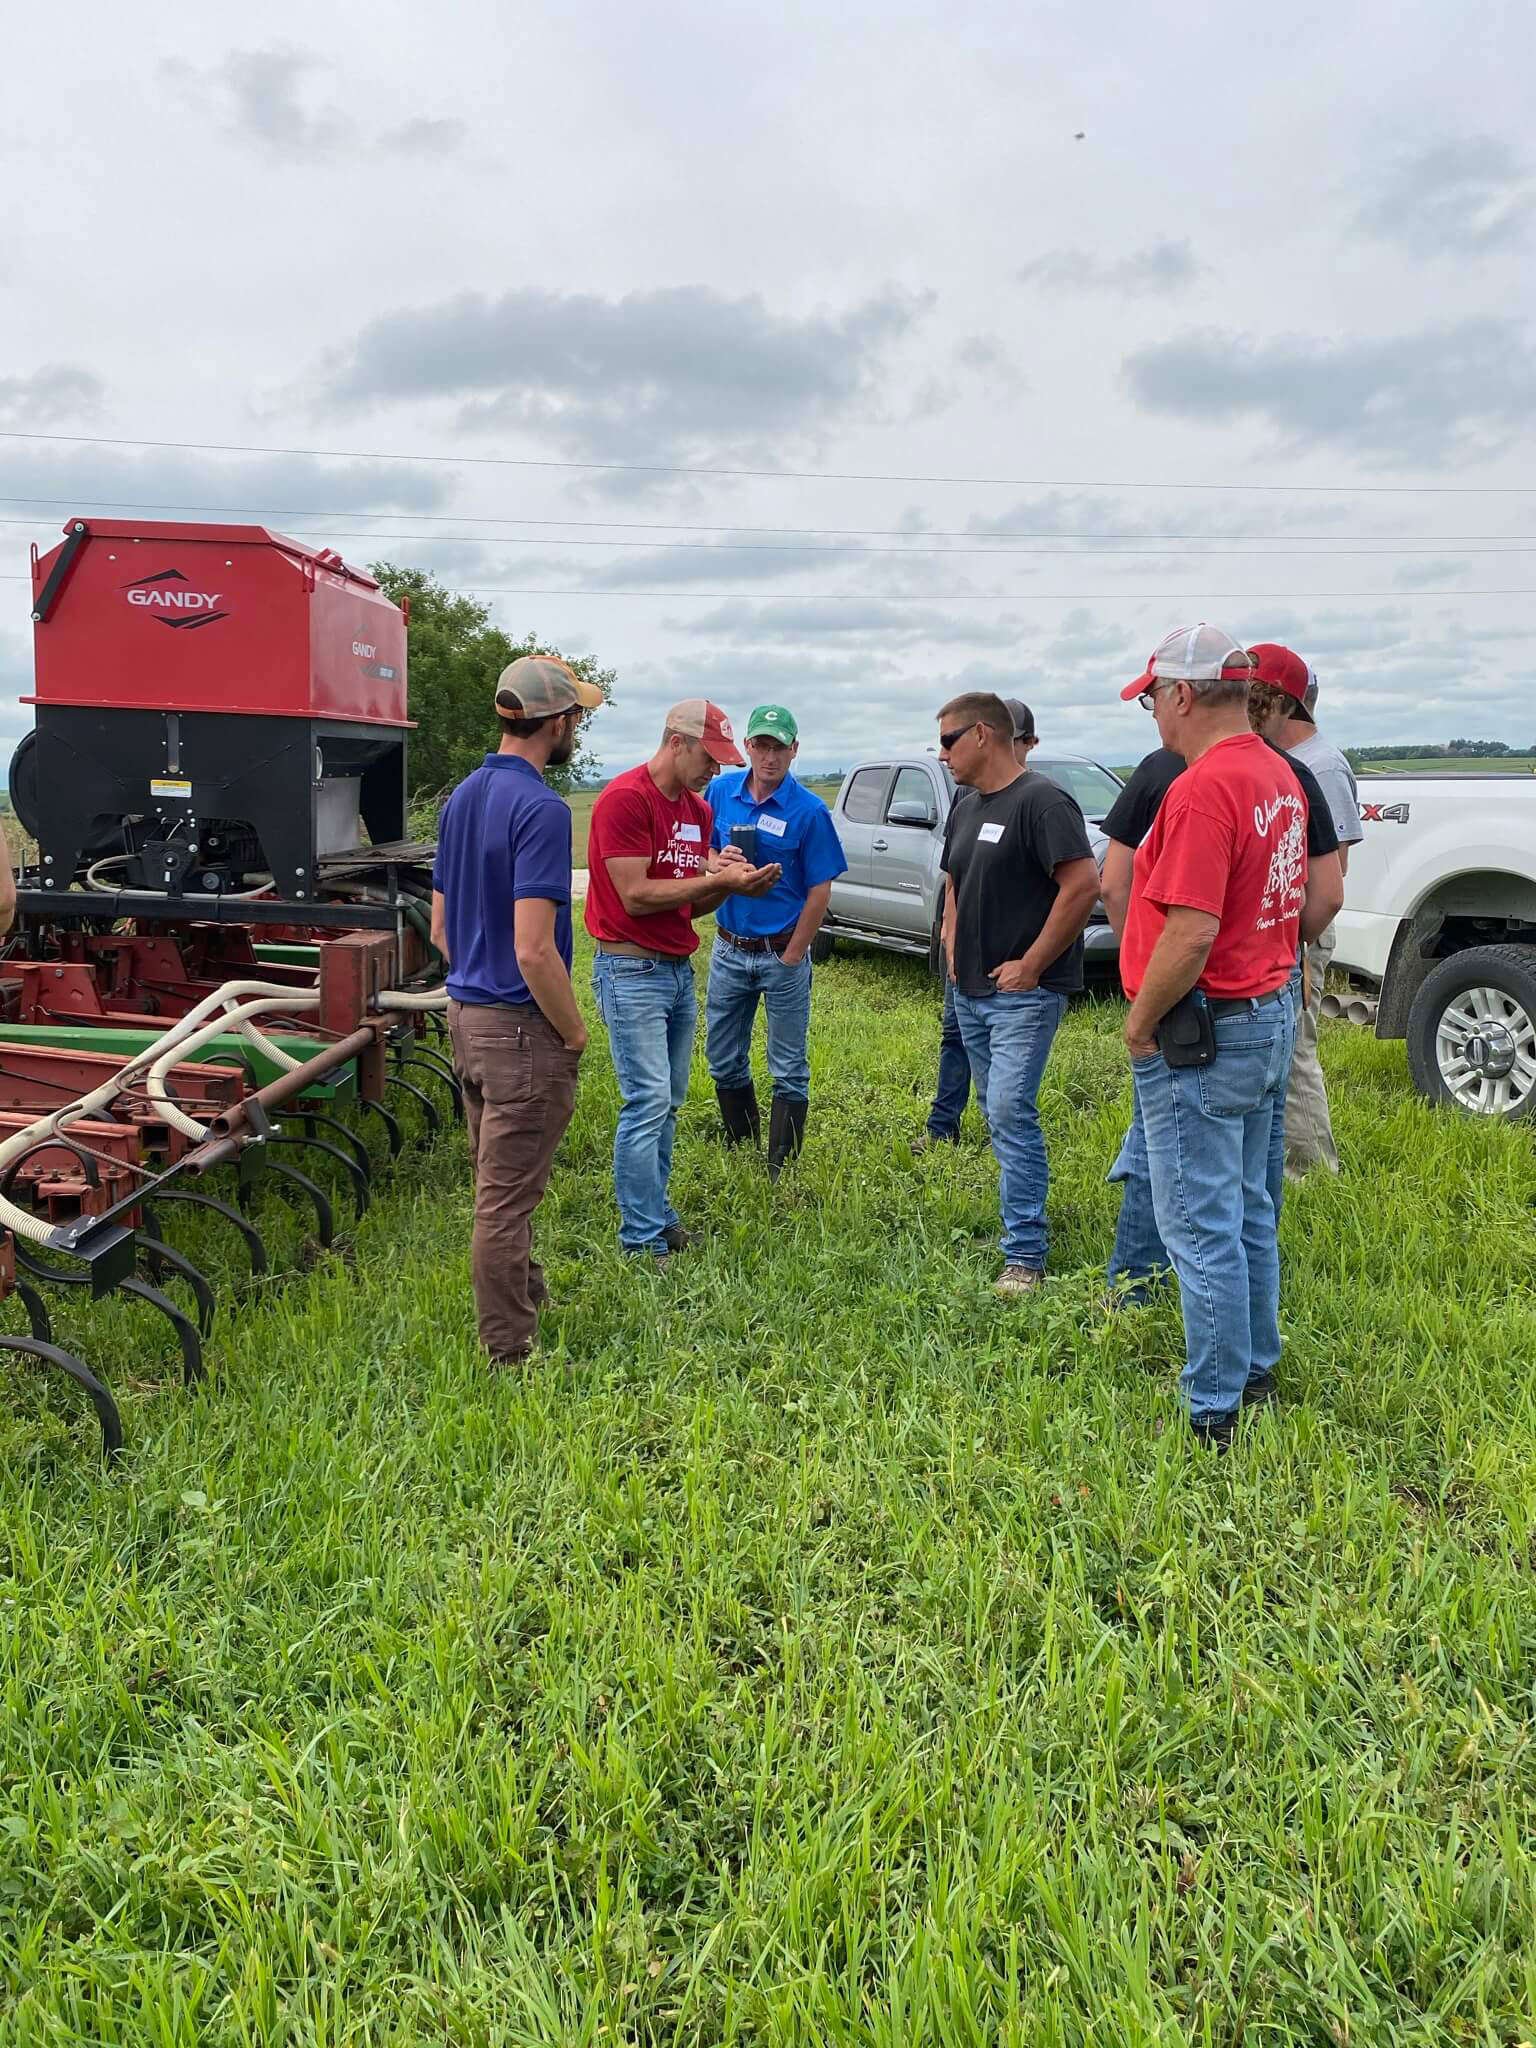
x,y
501,917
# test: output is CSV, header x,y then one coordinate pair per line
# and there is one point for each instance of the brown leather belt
x,y
772,942
626,949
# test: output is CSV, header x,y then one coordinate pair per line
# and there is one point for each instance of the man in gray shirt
x,y
1308,1129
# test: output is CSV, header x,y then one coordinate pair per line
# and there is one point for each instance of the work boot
x,y
786,1132
739,1113
1015,1280
926,1140
676,1238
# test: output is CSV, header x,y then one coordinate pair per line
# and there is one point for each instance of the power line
x,y
800,475
686,526
757,547
943,597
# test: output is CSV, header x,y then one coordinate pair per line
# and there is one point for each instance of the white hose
x,y
231,1008
171,1042
404,999
236,1021
116,860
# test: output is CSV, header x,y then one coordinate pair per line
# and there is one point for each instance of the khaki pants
x,y
519,1092
1308,1131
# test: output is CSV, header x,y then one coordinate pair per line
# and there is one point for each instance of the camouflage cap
x,y
541,686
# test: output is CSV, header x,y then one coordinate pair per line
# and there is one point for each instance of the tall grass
x,y
808,1648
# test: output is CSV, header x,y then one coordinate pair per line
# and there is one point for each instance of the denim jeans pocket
x,y
1237,1080
624,968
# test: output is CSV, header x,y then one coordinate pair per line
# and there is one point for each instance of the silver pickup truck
x,y
890,814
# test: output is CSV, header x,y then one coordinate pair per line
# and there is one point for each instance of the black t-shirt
x,y
1000,852
1130,817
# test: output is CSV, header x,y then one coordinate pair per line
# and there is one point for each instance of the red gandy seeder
x,y
223,937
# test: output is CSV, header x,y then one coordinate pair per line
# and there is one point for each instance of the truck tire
x,y
1472,1032
936,948
822,947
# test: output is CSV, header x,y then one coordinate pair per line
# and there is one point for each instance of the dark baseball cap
x,y
1023,718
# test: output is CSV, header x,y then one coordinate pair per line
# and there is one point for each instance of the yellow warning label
x,y
170,788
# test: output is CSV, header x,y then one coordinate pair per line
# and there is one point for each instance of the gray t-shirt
x,y
1336,779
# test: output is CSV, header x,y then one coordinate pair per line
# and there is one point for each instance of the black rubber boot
x,y
786,1132
739,1113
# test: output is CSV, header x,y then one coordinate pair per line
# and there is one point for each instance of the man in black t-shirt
x,y
1020,881
1139,1258
954,1083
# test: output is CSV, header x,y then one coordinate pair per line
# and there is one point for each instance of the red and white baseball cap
x,y
1193,654
1283,670
697,719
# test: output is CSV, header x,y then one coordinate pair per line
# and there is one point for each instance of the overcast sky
x,y
1071,256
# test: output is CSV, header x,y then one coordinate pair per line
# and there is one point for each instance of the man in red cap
x,y
1283,696
651,873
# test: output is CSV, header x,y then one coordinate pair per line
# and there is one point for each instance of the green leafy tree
x,y
455,657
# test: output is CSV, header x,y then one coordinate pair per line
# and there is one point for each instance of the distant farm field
x,y
1438,764
807,1650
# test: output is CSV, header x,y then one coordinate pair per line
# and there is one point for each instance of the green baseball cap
x,y
773,722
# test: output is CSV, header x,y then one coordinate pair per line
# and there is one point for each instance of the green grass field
x,y
809,1648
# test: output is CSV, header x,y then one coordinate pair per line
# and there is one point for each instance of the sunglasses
x,y
952,739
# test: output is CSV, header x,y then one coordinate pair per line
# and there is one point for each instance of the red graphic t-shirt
x,y
1231,839
633,820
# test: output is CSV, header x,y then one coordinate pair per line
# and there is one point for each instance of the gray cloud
x,y
1431,399
677,375
1099,513
806,620
1424,575
425,137
261,97
1160,267
57,391
166,483
1462,197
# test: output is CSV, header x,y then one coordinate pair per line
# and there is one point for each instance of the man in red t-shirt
x,y
650,874
1211,931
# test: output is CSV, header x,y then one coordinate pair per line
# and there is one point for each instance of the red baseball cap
x,y
697,719
1283,670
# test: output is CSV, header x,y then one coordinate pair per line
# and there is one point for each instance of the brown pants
x,y
519,1091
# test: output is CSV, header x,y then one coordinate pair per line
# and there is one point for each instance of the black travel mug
x,y
744,837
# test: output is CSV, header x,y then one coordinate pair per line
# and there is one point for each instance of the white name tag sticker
x,y
688,832
774,827
990,833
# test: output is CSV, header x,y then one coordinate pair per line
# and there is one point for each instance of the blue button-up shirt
x,y
794,828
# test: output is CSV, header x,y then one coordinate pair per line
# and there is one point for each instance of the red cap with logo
x,y
697,719
1283,670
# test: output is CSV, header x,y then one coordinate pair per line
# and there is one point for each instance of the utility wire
x,y
801,475
758,547
685,526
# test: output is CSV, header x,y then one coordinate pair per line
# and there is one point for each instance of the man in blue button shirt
x,y
501,917
762,943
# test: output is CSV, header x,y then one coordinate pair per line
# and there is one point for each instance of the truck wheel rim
x,y
1485,1048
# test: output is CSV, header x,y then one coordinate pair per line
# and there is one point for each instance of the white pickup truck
x,y
1439,920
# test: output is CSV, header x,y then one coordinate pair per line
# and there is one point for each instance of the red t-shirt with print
x,y
632,820
1231,839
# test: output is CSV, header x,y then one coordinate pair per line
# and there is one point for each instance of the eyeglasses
x,y
952,739
1148,698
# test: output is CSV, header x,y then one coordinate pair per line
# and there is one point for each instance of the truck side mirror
x,y
905,813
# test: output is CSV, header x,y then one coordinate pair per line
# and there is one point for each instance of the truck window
x,y
912,786
865,802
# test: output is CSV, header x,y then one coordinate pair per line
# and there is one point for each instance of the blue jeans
x,y
736,981
954,1089
648,1008
1008,1040
1210,1137
1140,1260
